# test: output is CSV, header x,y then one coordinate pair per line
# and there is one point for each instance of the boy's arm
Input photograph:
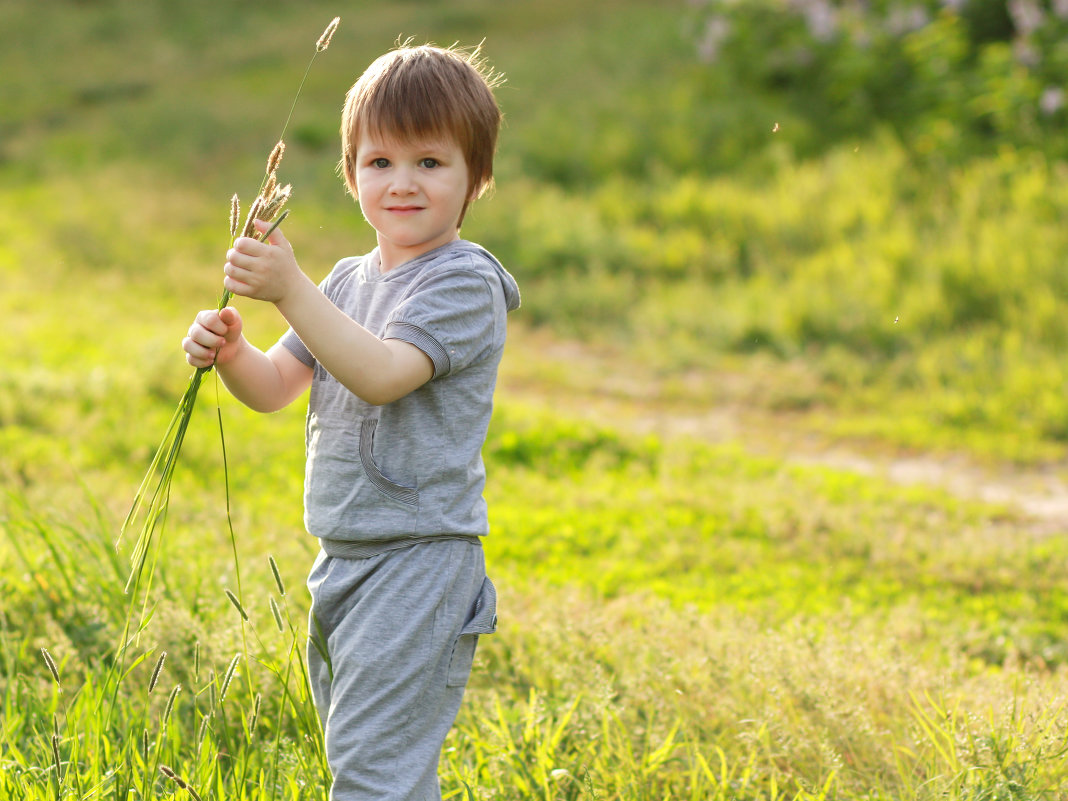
x,y
265,382
376,370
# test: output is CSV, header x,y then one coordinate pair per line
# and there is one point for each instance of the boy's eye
x,y
380,163
429,163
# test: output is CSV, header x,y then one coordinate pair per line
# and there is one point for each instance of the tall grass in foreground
x,y
181,720
576,698
106,740
678,621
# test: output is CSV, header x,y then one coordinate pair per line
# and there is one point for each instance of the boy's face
x,y
411,194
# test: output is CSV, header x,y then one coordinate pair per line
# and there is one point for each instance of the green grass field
x,y
777,468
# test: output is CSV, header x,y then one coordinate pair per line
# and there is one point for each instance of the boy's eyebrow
x,y
376,142
439,150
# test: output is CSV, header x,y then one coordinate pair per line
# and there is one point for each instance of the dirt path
x,y
1040,495
589,384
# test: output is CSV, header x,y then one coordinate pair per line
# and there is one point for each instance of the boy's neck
x,y
391,257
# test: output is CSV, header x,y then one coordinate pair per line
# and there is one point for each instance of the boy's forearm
x,y
253,379
363,363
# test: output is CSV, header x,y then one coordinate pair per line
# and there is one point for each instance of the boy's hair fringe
x,y
426,92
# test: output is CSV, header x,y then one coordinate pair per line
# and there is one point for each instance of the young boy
x,y
400,348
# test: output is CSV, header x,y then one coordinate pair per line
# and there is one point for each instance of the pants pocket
x,y
483,620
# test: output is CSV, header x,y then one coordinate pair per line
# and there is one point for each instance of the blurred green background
x,y
770,251
860,204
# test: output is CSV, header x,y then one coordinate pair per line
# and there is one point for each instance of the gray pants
x,y
392,641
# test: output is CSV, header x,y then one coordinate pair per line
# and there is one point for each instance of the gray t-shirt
x,y
378,477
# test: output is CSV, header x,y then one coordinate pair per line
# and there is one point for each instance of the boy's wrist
x,y
238,347
292,301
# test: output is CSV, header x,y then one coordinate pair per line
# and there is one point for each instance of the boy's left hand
x,y
262,270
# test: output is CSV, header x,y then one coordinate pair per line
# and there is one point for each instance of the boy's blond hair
x,y
430,93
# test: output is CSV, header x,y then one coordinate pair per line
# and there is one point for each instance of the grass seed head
x,y
271,208
253,215
202,732
277,615
51,665
235,215
56,758
237,605
277,576
270,186
170,705
328,34
276,157
230,670
156,671
254,716
174,777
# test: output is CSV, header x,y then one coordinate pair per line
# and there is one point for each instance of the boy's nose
x,y
403,183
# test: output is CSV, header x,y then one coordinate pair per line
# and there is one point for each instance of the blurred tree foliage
x,y
952,78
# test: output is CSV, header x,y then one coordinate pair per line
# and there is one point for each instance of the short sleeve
x,y
291,342
454,317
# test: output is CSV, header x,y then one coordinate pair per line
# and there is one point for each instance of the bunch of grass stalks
x,y
148,513
149,509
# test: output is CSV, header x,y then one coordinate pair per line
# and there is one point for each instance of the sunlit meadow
x,y
755,279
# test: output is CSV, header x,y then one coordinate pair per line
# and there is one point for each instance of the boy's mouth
x,y
404,209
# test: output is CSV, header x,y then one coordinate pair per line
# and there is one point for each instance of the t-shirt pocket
x,y
344,488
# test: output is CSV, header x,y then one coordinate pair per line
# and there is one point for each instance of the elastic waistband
x,y
347,549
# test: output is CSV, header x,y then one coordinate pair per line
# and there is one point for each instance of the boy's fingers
x,y
210,320
201,338
243,246
276,237
196,354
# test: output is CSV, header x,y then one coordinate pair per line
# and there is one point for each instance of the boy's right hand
x,y
214,337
